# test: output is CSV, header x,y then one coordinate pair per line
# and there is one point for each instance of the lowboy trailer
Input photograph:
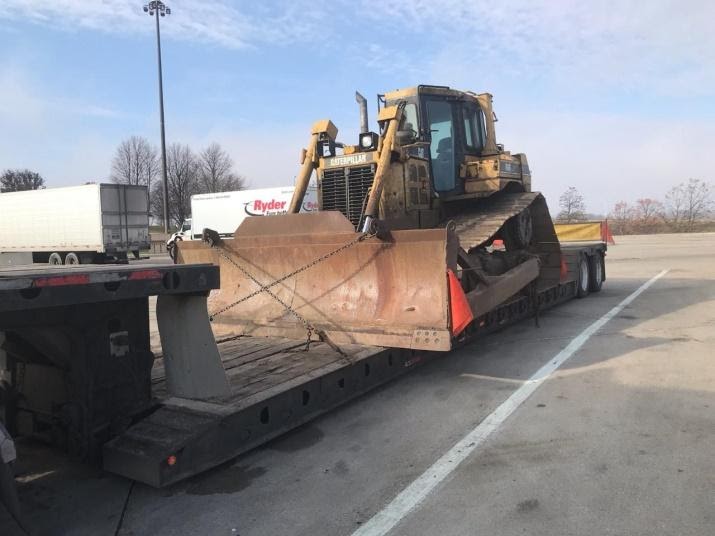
x,y
80,373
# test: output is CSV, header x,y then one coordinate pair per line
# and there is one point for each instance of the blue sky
x,y
615,98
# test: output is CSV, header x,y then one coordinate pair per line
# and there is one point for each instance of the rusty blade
x,y
388,293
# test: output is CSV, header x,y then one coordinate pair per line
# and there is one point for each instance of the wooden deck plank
x,y
235,353
257,365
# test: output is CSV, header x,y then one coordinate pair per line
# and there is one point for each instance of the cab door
x,y
445,144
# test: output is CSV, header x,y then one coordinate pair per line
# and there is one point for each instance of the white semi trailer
x,y
93,223
224,211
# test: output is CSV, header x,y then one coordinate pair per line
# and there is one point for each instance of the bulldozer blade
x,y
391,292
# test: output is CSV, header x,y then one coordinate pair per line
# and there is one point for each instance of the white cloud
x,y
216,22
660,46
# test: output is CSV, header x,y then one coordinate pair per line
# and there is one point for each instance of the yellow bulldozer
x,y
424,227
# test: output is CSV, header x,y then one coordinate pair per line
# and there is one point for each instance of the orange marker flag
x,y
461,312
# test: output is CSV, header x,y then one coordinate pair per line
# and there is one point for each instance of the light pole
x,y
156,9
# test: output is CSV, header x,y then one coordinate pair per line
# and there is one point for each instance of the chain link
x,y
310,329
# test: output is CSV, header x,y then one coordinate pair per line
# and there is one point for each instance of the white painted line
x,y
387,518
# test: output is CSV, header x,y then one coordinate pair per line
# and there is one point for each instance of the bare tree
x,y
675,206
216,171
17,180
182,171
696,199
135,162
156,200
572,206
648,210
621,218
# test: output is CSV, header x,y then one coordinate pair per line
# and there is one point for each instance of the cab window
x,y
409,120
473,129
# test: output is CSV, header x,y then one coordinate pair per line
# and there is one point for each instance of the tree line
x,y
687,207
18,180
210,170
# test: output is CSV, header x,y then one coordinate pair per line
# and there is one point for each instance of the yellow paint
x,y
401,93
473,186
575,232
387,113
325,125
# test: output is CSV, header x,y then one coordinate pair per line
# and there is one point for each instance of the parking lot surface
x,y
617,440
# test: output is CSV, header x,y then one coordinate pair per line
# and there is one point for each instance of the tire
x,y
171,248
72,258
596,271
55,259
584,276
136,254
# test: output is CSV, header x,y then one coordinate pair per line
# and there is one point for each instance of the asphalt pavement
x,y
617,440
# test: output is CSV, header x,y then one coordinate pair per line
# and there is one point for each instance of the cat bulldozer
x,y
423,228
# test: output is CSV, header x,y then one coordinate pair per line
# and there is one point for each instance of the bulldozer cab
x,y
447,127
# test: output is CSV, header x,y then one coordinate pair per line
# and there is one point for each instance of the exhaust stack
x,y
362,102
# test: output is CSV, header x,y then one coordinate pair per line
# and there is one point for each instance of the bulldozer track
x,y
478,224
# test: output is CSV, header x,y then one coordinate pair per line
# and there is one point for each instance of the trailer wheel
x,y
55,258
595,281
171,248
584,277
71,258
